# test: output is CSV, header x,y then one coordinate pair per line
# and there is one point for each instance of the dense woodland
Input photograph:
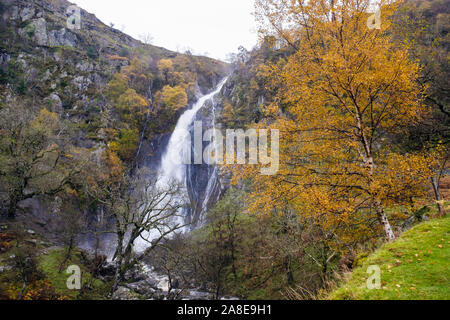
x,y
363,115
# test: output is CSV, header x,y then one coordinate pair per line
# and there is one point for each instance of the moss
x,y
50,264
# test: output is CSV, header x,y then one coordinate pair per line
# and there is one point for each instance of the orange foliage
x,y
345,90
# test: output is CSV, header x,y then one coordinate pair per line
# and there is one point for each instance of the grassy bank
x,y
415,266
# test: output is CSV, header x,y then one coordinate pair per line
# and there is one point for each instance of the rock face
x,y
39,28
203,183
62,37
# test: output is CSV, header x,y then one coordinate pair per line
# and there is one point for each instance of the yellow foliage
x,y
165,65
132,106
117,86
174,98
346,89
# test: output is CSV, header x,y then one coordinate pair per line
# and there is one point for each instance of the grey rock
x,y
33,242
123,293
145,288
85,66
81,83
55,102
27,13
31,232
40,31
47,75
4,60
62,37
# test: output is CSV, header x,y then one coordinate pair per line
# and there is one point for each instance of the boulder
x,y
123,293
146,288
55,103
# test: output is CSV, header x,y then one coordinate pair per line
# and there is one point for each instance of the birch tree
x,y
344,92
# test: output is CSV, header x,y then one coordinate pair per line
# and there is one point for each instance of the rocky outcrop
x,y
55,103
4,59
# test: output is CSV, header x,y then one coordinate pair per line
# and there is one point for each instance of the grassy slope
x,y
50,263
416,266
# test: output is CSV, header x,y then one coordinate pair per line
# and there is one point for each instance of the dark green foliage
x,y
92,52
13,74
124,52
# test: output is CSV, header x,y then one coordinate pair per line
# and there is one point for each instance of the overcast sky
x,y
208,27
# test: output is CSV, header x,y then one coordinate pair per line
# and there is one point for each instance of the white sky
x,y
207,27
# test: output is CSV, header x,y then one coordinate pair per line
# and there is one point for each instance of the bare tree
x,y
146,38
145,211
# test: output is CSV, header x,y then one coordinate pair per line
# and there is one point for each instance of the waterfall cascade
x,y
173,167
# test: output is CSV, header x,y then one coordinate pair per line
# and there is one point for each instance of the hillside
x,y
68,70
414,267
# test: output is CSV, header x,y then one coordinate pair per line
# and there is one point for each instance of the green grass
x,y
50,264
414,267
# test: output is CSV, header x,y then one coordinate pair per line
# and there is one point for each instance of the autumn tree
x,y
117,86
133,108
165,67
34,156
346,89
126,145
174,98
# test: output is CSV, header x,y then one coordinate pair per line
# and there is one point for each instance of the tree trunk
x,y
118,257
118,274
390,236
12,208
437,194
67,256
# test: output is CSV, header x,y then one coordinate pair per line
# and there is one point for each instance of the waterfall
x,y
173,167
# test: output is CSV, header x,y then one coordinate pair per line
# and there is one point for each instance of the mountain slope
x,y
69,68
